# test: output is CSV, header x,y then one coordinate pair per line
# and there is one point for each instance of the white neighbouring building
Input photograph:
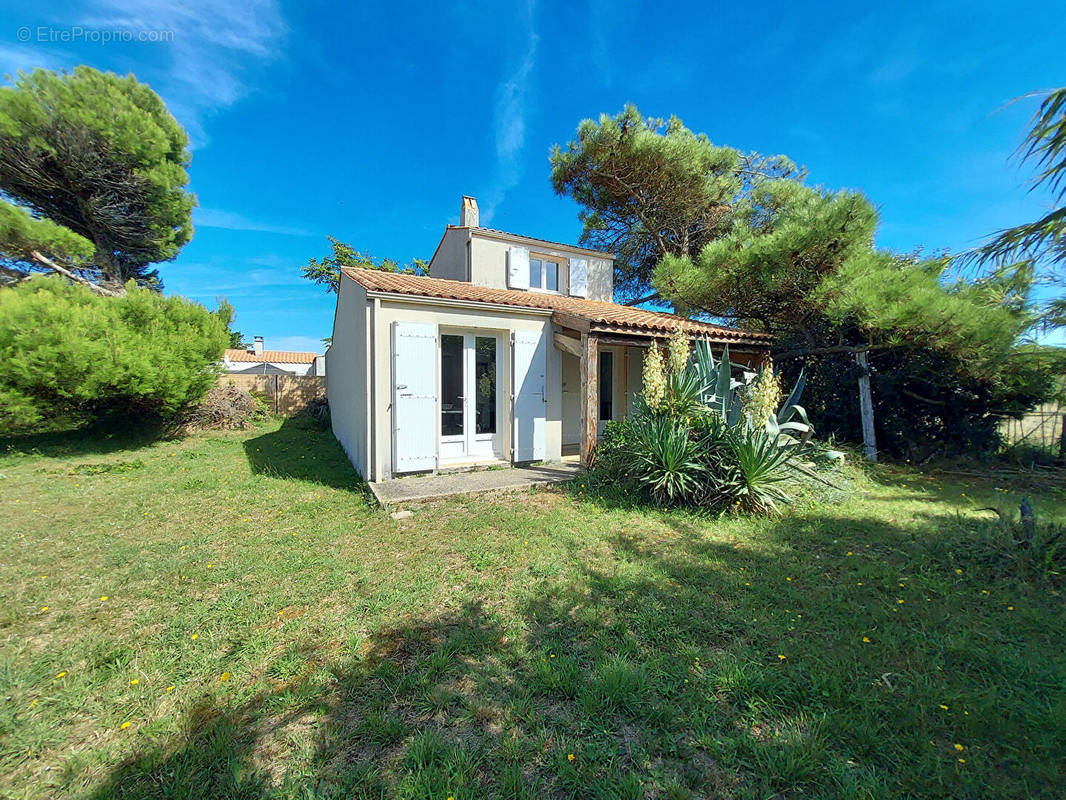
x,y
510,351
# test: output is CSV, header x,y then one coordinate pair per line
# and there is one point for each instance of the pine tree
x,y
93,170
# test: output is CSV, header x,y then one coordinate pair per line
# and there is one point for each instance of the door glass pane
x,y
551,276
534,273
485,380
606,382
451,385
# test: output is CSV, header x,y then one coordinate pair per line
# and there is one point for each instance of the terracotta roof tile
x,y
273,356
608,315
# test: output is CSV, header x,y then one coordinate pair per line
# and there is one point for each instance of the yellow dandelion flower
x,y
959,747
943,706
62,674
195,636
125,725
44,608
781,657
866,639
569,756
170,689
135,681
958,572
224,676
103,597
962,760
848,553
1010,608
901,602
788,579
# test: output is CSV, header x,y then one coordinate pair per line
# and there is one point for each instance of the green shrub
x,y
692,440
68,352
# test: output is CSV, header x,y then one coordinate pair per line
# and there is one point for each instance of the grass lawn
x,y
228,616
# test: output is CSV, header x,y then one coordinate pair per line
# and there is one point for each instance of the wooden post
x,y
866,407
590,396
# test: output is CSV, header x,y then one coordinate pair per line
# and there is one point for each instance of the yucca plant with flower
x,y
703,437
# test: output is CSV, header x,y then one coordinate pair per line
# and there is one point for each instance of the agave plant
x,y
723,394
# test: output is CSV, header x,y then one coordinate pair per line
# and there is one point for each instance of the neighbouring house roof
x,y
275,356
601,317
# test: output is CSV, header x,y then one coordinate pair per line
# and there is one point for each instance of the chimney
x,y
258,346
468,214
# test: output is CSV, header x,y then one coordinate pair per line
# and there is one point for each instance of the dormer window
x,y
543,275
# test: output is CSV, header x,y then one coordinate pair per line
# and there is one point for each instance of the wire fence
x,y
1041,430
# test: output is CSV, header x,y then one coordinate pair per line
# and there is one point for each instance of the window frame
x,y
543,260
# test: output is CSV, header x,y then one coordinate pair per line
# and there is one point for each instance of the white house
x,y
511,351
257,361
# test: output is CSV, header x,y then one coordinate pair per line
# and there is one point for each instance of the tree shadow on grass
x,y
100,439
684,665
301,449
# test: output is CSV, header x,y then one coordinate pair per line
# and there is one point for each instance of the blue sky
x,y
368,123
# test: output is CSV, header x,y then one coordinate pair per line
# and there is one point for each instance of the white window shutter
x,y
518,268
579,277
414,396
529,438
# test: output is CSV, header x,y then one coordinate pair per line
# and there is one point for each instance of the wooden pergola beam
x,y
568,344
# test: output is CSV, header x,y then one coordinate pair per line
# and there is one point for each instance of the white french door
x,y
469,396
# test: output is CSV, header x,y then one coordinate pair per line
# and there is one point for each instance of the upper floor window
x,y
543,275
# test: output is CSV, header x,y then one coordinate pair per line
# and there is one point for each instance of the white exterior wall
x,y
347,373
571,398
451,259
488,266
472,320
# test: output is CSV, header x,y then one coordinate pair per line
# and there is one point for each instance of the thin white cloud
x,y
509,120
216,48
26,57
230,221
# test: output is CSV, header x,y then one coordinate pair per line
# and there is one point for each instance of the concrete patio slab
x,y
427,487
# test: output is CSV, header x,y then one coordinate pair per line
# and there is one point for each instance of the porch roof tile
x,y
610,316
